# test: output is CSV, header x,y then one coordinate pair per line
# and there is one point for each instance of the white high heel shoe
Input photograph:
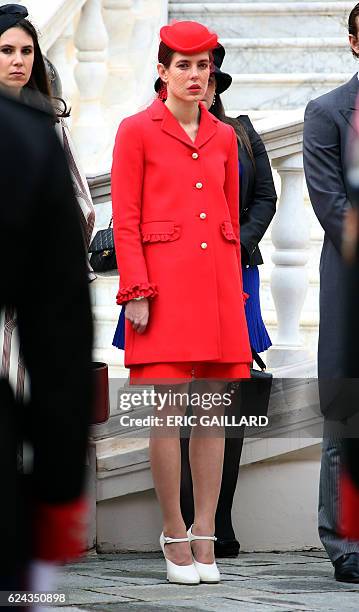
x,y
180,574
208,572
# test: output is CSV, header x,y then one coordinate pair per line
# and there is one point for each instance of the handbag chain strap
x,y
259,361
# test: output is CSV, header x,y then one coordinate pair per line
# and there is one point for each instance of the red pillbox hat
x,y
188,37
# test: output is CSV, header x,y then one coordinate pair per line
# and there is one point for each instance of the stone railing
x,y
289,235
105,52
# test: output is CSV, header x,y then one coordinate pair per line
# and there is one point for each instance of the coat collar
x,y
352,90
169,124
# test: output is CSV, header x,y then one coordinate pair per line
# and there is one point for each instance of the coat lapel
x,y
207,126
351,100
171,126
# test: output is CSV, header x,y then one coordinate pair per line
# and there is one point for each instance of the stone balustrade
x,y
105,52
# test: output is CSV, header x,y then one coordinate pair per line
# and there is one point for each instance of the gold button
x,y
199,185
195,155
203,216
204,245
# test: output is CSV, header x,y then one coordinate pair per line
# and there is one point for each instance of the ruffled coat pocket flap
x,y
228,232
159,231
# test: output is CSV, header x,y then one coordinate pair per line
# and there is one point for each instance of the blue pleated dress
x,y
119,337
258,336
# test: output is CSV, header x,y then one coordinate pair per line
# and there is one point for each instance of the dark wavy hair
x,y
217,109
37,90
352,25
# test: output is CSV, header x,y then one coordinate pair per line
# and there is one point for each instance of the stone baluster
x,y
151,15
120,89
61,55
90,130
289,280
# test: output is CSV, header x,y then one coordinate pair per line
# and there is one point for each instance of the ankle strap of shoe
x,y
168,540
198,537
192,536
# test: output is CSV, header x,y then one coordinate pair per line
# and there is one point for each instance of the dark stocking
x,y
187,505
232,457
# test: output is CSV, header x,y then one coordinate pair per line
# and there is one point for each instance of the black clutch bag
x,y
252,395
102,249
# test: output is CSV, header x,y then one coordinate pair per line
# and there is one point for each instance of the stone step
x,y
278,91
105,319
266,19
288,55
114,359
104,289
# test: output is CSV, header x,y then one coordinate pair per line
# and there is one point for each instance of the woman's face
x,y
211,90
16,59
187,76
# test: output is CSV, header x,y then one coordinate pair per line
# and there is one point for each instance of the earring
x,y
162,94
214,99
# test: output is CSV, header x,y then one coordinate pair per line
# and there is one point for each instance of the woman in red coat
x,y
175,210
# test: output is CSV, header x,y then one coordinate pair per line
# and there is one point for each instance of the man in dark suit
x,y
43,276
327,128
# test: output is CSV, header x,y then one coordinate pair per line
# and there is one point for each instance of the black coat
x,y
328,126
44,276
257,195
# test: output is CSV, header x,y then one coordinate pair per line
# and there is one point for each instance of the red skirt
x,y
160,373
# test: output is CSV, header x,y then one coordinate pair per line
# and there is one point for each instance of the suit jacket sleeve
x,y
324,171
126,186
261,208
231,189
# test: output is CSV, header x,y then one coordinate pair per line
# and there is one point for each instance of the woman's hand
x,y
137,312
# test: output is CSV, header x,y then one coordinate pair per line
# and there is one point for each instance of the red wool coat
x,y
176,228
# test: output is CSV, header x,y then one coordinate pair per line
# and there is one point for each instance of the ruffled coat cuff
x,y
132,291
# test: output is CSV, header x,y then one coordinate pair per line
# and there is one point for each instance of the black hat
x,y
223,80
10,15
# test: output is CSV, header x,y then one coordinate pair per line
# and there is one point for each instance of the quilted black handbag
x,y
253,395
102,249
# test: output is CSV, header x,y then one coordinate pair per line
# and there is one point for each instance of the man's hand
x,y
137,312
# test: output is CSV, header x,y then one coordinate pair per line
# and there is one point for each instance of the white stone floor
x,y
254,582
